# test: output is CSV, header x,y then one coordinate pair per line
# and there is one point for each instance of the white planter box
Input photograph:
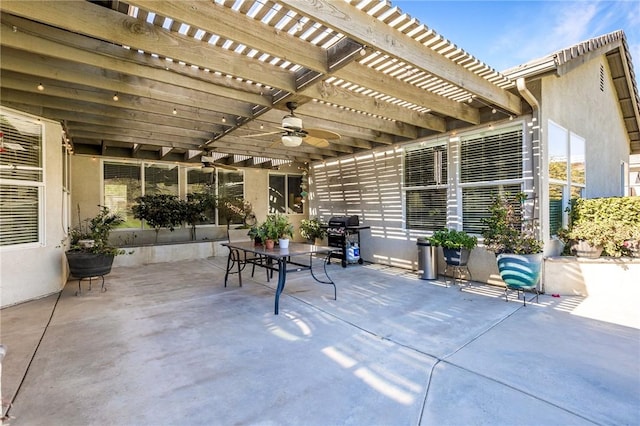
x,y
144,255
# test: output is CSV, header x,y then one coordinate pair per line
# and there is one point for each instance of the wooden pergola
x,y
173,80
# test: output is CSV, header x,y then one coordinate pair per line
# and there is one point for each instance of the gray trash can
x,y
427,267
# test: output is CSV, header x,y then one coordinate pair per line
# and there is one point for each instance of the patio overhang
x,y
172,81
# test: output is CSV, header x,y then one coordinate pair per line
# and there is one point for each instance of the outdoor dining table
x,y
282,260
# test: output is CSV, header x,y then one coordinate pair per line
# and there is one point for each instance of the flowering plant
x,y
234,210
92,235
506,231
310,229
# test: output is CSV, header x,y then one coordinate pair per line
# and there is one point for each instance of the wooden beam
x,y
68,109
125,61
339,96
89,76
230,24
125,137
368,30
129,104
104,24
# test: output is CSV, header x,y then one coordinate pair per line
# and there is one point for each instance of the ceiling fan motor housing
x,y
293,123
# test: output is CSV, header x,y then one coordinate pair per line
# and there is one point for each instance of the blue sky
x,y
504,34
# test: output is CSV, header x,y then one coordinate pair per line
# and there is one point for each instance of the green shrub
x,y
606,222
453,239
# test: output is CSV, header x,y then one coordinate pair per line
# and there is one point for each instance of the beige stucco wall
x,y
86,190
575,102
32,272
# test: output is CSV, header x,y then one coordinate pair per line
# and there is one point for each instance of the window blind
x,y
19,215
425,166
492,157
122,185
425,170
426,209
161,179
21,176
476,202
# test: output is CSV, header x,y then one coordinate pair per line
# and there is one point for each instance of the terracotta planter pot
x,y
269,244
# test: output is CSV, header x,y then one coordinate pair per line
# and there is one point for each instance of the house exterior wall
x,y
86,189
28,273
576,102
371,186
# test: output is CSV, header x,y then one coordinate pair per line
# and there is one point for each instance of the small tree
x,y
233,210
160,211
505,229
196,206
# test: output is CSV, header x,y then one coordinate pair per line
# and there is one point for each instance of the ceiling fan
x,y
209,164
292,133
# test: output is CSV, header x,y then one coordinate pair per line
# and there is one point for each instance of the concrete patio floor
x,y
167,344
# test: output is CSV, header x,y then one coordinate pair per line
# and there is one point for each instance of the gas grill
x,y
341,232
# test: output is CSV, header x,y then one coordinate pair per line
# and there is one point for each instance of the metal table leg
x,y
282,276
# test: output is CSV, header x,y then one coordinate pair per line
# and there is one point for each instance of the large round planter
x,y
456,257
520,271
584,249
85,265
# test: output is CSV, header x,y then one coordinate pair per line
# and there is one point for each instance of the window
x,y
489,165
566,171
476,202
425,195
491,158
21,180
122,185
124,182
161,179
202,182
285,194
230,185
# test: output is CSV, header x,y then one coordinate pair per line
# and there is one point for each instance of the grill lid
x,y
344,221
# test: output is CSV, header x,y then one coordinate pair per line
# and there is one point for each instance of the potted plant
x,y
276,227
90,254
312,230
456,245
160,211
513,240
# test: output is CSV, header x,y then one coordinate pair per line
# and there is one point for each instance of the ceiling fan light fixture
x,y
291,140
207,167
290,122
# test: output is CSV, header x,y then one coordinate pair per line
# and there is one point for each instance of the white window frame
x,y
452,182
288,210
440,174
38,185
